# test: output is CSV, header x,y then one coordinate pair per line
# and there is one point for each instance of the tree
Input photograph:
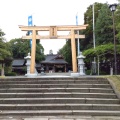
x,y
20,49
39,52
104,30
117,22
105,54
66,52
88,19
4,52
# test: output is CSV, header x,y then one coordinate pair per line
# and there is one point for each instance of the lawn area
x,y
116,81
2,76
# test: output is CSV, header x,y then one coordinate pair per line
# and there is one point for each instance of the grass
x,y
2,76
116,81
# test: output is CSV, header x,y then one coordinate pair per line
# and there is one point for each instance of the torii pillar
x,y
73,49
33,53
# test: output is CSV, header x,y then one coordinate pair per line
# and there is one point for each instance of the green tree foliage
x,y
88,19
20,49
117,22
39,52
4,53
66,52
101,49
105,53
104,30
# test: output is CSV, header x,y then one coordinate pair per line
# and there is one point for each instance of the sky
x,y
45,13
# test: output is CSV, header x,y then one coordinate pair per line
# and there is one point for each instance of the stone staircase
x,y
58,96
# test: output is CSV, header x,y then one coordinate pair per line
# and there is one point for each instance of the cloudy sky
x,y
44,12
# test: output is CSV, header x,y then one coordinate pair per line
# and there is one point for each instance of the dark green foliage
x,y
20,49
88,19
66,52
4,53
104,30
101,50
117,23
105,54
10,74
39,52
88,72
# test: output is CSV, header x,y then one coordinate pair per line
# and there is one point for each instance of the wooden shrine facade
x,y
54,63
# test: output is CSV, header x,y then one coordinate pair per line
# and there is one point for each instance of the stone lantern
x,y
81,64
42,70
28,59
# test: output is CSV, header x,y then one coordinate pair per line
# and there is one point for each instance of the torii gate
x,y
53,35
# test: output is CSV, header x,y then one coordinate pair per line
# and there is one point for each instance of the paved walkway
x,y
63,118
57,75
75,118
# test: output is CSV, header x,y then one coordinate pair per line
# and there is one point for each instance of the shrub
x,y
10,74
88,72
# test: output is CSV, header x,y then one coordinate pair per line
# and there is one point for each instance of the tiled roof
x,y
19,62
52,59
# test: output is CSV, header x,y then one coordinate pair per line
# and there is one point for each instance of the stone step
x,y
108,107
36,90
51,78
56,82
58,94
59,117
58,112
59,100
55,85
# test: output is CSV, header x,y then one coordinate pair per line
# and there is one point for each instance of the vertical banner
x,y
77,19
30,23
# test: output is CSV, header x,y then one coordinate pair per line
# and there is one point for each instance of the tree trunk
x,y
2,70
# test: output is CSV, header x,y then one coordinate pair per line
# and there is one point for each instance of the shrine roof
x,y
54,58
18,62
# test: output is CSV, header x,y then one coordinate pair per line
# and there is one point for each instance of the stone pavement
x,y
76,118
62,118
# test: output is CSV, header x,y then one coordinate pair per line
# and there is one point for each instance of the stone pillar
x,y
111,71
81,64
